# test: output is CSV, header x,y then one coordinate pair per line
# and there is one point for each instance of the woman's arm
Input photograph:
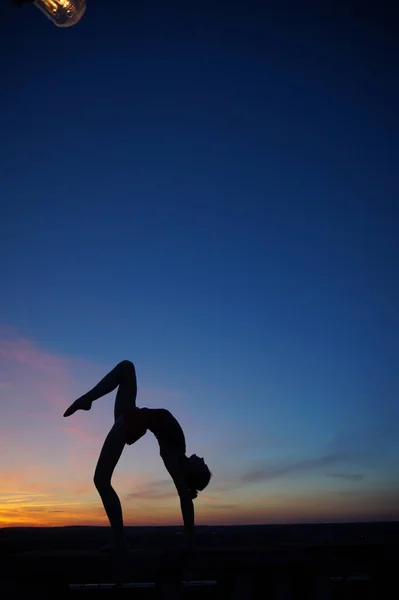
x,y
187,511
186,503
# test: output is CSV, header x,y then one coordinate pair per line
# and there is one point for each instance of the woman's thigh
x,y
111,452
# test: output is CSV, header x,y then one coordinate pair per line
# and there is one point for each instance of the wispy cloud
x,y
6,385
21,498
153,490
31,375
23,351
353,477
271,471
151,495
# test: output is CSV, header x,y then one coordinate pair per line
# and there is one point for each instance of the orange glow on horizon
x,y
36,513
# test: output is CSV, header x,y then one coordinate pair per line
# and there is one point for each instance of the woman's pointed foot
x,y
79,404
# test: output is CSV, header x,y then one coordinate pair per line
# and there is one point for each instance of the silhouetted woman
x,y
131,423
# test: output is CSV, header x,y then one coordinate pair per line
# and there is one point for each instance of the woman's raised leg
x,y
123,377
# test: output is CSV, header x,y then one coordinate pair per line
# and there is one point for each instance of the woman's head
x,y
197,474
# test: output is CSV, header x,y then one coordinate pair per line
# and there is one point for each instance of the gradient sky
x,y
211,191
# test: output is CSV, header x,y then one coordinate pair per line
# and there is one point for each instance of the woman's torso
x,y
161,423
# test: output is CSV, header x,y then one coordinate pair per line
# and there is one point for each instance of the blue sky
x,y
210,192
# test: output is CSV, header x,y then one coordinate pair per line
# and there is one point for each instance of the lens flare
x,y
63,13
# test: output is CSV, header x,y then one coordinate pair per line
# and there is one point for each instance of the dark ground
x,y
59,556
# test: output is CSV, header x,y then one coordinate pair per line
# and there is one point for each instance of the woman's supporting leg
x,y
108,459
123,377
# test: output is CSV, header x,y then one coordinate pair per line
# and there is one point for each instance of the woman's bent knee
x,y
127,365
101,482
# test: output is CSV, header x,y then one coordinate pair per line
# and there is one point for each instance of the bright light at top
x,y
63,13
